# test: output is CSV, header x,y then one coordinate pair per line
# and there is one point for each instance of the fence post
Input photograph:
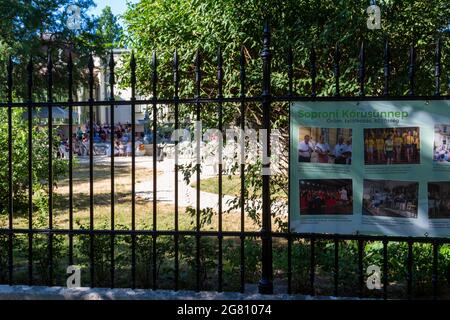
x,y
412,69
437,69
10,173
265,284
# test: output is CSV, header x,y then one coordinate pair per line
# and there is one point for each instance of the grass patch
x,y
231,186
122,204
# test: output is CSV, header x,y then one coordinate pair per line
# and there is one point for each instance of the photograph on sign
x,y
325,145
390,198
441,149
392,145
326,196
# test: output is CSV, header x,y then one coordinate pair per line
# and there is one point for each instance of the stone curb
x,y
62,293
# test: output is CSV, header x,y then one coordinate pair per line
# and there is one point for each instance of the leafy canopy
x,y
36,28
108,28
164,25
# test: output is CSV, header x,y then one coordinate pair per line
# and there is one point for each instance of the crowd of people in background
x,y
392,145
101,141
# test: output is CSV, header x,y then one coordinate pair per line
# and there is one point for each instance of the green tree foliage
x,y
188,25
108,28
34,28
20,164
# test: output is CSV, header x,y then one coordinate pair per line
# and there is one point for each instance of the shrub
x,y
20,159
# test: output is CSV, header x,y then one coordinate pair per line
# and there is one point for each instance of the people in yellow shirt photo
x,y
398,141
416,146
397,145
369,144
389,150
379,143
408,141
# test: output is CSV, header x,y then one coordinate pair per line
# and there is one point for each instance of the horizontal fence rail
x,y
266,235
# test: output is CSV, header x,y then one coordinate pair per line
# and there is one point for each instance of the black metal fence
x,y
265,235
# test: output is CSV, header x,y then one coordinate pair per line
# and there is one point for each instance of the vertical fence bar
x,y
437,69
290,61
155,155
385,268
265,284
220,116
242,168
30,169
336,266
289,261
176,81
197,169
312,272
409,276
387,67
133,169
313,71
50,164
360,267
412,69
362,69
70,102
434,278
10,175
91,172
337,72
113,198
